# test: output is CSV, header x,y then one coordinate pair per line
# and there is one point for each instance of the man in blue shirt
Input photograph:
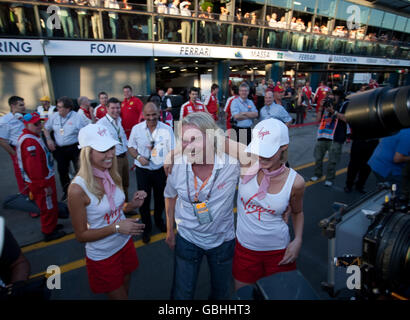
x,y
243,112
273,110
390,156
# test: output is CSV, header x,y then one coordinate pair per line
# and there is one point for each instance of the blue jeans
x,y
187,262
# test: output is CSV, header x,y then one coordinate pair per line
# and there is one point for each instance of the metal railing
x,y
30,19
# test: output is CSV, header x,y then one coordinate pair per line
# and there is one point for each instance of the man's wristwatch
x,y
138,157
117,228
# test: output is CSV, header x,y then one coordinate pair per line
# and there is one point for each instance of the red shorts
x,y
250,266
108,275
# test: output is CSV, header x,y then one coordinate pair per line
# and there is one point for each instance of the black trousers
x,y
64,155
360,153
152,180
238,136
300,111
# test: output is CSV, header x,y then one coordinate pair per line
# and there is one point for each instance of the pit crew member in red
x,y
193,105
37,167
211,101
131,110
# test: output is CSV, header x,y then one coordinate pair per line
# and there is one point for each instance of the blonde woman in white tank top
x,y
96,204
267,192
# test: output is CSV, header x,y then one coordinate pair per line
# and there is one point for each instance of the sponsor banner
x,y
20,47
93,48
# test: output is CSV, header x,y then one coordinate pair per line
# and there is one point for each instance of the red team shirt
x,y
320,94
189,107
100,112
211,103
131,113
228,114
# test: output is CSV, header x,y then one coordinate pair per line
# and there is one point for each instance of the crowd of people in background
x,y
99,141
81,21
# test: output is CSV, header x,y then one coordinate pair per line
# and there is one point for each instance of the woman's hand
x,y
292,252
131,227
138,199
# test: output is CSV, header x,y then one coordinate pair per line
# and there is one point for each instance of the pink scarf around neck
x,y
267,175
108,184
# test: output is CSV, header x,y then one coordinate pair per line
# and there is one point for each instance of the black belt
x,y
122,155
68,146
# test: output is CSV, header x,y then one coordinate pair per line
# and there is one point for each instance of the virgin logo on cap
x,y
261,134
101,132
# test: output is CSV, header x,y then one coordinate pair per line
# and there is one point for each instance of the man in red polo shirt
x,y
211,102
131,110
101,110
320,94
193,105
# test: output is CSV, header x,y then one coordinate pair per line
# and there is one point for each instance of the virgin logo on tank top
x,y
113,215
250,208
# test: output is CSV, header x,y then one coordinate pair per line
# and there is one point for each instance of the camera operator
x,y
390,157
331,135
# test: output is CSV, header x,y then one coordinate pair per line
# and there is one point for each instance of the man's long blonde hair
x,y
86,172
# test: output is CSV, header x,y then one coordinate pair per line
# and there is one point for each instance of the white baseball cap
x,y
97,137
267,137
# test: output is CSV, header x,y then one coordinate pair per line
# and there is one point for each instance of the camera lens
x,y
379,112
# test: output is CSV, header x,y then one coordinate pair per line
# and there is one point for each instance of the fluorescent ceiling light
x,y
165,68
172,71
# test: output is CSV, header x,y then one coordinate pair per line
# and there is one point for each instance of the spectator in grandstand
x,y
96,22
113,16
66,19
173,23
82,18
185,24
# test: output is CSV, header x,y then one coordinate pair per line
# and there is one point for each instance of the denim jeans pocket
x,y
186,250
225,252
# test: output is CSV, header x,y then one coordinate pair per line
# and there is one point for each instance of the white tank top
x,y
260,226
100,215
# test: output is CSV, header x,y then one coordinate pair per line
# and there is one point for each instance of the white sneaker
x,y
314,178
328,183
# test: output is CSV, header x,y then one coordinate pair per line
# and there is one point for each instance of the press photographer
x,y
331,135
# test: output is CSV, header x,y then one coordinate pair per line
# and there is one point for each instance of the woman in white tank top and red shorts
x,y
265,193
96,204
